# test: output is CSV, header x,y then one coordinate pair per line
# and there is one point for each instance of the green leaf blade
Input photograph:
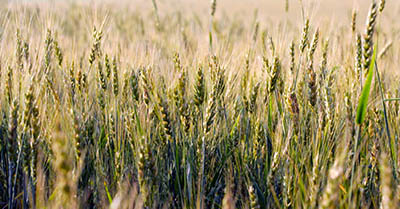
x,y
363,101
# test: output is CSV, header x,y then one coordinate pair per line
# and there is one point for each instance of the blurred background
x,y
271,8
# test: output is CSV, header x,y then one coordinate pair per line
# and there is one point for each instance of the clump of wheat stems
x,y
126,114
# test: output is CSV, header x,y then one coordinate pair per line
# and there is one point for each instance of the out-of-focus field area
x,y
200,104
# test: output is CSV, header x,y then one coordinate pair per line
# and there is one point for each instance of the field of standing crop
x,y
200,104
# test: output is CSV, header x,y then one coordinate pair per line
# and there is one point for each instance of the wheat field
x,y
200,104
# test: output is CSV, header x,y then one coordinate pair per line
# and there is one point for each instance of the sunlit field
x,y
200,104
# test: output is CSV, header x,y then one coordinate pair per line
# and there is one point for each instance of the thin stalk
x,y
355,156
210,41
297,72
391,143
392,153
391,100
156,14
177,166
201,177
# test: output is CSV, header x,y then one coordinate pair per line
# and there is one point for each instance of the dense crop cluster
x,y
109,107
